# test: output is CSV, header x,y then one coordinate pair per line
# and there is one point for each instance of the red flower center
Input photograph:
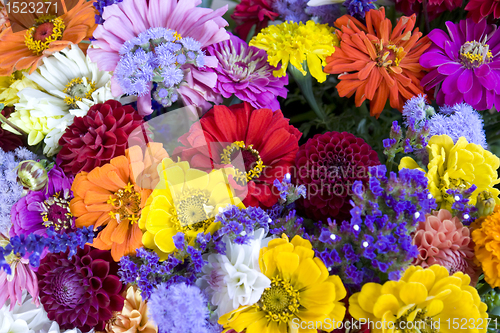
x,y
389,54
252,163
56,212
43,31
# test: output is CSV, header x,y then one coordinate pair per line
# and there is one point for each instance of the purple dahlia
x,y
82,291
464,64
243,70
328,165
49,207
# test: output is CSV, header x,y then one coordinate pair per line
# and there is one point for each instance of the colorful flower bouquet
x,y
282,166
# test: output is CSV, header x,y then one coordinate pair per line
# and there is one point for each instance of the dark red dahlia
x,y
82,291
328,165
93,140
250,12
434,7
260,139
481,9
9,141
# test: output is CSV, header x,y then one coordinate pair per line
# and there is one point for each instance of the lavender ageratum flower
x,y
179,308
10,190
243,70
465,64
459,120
38,210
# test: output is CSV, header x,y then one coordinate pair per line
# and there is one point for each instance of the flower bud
x,y
32,175
485,203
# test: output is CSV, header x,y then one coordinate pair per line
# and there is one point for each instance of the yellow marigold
x,y
423,300
185,200
486,236
302,294
297,43
11,85
459,165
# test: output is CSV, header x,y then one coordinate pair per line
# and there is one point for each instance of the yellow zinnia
x,y
423,300
459,166
486,236
302,293
11,85
185,200
297,43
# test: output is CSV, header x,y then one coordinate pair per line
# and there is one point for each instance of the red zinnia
x,y
250,12
264,138
481,9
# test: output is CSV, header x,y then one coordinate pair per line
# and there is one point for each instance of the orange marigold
x,y
377,62
41,34
486,236
109,196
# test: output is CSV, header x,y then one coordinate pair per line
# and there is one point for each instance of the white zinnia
x,y
28,318
72,84
235,279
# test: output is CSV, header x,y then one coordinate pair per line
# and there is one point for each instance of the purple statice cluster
x,y
358,8
10,190
147,271
244,71
376,243
158,55
99,6
239,225
289,192
299,11
179,307
290,224
461,207
36,246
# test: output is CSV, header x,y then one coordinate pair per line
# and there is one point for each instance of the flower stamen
x,y
251,158
37,38
280,301
126,203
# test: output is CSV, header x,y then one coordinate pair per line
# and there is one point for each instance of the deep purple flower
x,y
38,210
464,64
82,291
243,71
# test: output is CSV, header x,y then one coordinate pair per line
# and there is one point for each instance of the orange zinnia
x,y
44,33
109,196
377,62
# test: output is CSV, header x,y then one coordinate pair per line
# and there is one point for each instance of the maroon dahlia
x,y
82,291
93,140
328,165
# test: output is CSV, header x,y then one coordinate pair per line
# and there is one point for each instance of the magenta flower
x,y
243,70
21,278
136,19
464,64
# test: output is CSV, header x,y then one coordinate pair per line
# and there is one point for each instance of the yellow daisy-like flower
x,y
302,294
11,85
457,165
296,43
423,300
185,200
486,236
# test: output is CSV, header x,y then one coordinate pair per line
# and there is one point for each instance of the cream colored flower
x,y
69,85
134,316
11,85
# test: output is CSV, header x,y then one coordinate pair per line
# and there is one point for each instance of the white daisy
x,y
71,84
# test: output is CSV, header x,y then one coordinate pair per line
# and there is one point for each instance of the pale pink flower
x,y
22,278
442,239
129,18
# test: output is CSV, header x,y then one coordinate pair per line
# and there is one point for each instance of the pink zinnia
x,y
21,278
128,19
442,239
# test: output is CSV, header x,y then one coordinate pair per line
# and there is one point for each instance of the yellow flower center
x,y
416,321
474,54
77,89
46,30
251,159
453,184
193,211
280,301
389,54
126,203
56,212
